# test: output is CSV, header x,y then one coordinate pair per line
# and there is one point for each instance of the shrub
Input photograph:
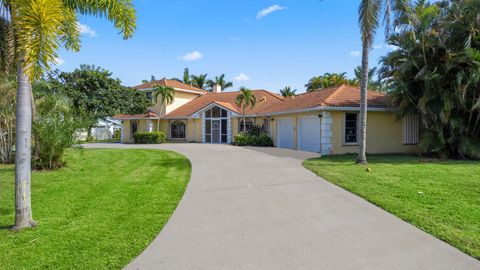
x,y
262,140
149,137
116,134
256,131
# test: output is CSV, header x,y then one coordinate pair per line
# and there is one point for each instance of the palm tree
x,y
326,80
288,92
186,76
369,14
199,81
40,27
245,99
167,96
220,80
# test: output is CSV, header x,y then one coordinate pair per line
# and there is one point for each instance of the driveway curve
x,y
258,208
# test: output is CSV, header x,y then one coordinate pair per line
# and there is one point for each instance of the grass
x,y
439,197
99,212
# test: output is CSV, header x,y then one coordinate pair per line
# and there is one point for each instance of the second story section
x,y
183,94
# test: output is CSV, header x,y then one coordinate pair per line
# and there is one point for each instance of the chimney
x,y
216,88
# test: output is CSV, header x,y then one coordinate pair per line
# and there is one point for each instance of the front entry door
x,y
216,131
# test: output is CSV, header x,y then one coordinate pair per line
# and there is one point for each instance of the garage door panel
x,y
285,133
309,134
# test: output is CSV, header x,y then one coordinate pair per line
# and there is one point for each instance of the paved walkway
x,y
249,208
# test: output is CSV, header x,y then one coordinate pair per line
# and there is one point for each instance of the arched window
x,y
177,130
216,125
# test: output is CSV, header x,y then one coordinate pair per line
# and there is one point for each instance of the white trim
x,y
211,105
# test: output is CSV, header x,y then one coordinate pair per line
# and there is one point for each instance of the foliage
x,y
53,131
7,118
373,83
256,130
117,134
152,79
199,81
84,207
96,95
287,92
220,80
245,99
166,95
326,80
262,140
438,196
149,137
435,73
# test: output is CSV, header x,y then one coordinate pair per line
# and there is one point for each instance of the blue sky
x,y
260,44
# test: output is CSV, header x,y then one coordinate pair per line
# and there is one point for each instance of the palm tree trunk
x,y
23,209
362,158
244,125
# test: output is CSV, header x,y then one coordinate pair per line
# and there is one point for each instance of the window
x,y
133,127
351,128
216,125
177,130
411,129
149,96
248,125
216,112
266,125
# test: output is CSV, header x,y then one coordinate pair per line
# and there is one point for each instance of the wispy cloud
x,y
355,53
59,61
378,46
242,77
266,11
192,56
391,47
86,30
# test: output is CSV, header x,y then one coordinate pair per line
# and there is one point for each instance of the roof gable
x,y
171,83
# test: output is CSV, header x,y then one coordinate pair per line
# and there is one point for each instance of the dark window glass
x,y
208,126
208,138
248,125
134,127
215,112
351,128
208,114
224,126
149,96
224,113
224,138
178,129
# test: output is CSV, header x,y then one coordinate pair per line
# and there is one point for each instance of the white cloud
x,y
266,11
242,77
192,56
392,47
59,61
86,30
355,53
378,46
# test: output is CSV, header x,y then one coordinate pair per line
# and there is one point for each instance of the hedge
x,y
149,137
253,140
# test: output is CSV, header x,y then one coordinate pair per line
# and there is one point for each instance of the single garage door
x,y
309,134
285,133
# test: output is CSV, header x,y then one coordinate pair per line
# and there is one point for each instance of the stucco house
x,y
324,121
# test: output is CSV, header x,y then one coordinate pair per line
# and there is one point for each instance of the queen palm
x,y
39,28
369,14
245,99
166,96
287,92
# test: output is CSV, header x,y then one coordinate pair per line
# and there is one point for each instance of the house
x,y
104,129
324,121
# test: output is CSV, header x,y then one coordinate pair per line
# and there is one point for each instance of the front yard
x,y
99,212
439,197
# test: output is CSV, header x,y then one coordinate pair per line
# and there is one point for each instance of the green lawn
x,y
439,197
99,212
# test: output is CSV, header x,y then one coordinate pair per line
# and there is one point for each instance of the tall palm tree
x,y
288,92
245,99
369,14
166,96
199,81
220,80
40,27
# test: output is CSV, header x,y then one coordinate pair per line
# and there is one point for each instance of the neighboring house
x,y
324,121
103,130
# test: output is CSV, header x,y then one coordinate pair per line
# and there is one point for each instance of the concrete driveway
x,y
250,208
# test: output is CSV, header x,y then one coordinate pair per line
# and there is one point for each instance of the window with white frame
x,y
411,129
248,125
216,125
178,129
351,128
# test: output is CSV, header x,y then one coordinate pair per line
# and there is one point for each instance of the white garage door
x,y
285,133
309,134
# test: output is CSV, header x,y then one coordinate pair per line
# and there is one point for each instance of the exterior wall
x,y
384,134
127,138
181,98
295,117
258,121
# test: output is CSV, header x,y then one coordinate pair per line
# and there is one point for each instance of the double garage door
x,y
308,133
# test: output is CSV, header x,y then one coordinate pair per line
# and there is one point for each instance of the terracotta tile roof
x,y
226,99
338,96
135,116
171,83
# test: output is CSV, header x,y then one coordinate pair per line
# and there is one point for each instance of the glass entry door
x,y
216,131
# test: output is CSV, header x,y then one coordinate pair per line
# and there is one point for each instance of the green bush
x,y
116,134
149,137
262,140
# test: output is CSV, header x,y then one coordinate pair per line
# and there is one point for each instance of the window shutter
x,y
411,129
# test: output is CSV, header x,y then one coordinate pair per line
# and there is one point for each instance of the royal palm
x,y
166,96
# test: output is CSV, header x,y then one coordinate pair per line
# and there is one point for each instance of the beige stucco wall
x,y
181,98
384,135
